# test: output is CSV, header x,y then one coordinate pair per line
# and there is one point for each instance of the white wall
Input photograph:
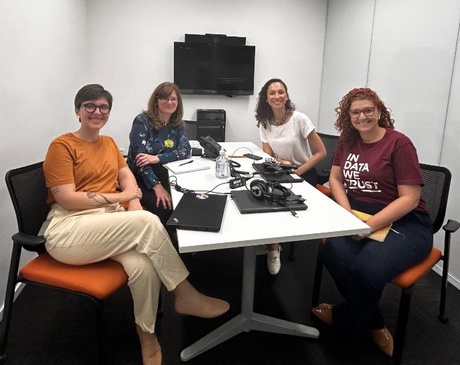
x,y
450,154
132,51
42,65
408,51
346,55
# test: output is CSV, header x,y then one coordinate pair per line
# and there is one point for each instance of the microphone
x,y
238,182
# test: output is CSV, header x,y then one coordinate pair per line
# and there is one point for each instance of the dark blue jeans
x,y
361,269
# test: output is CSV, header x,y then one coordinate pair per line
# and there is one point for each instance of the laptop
x,y
247,203
279,177
198,212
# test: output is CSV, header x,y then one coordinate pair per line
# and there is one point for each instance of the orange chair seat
x,y
410,276
98,280
324,189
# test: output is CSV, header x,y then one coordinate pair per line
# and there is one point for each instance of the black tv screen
x,y
201,68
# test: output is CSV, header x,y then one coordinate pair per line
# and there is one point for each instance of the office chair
x,y
323,169
435,192
190,129
26,186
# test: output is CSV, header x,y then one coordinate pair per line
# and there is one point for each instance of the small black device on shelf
x,y
210,38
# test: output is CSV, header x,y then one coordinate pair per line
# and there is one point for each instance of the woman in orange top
x,y
87,222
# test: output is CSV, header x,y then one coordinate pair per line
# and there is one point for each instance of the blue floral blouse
x,y
169,144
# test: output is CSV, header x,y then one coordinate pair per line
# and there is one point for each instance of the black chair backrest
x,y
323,168
436,192
28,193
190,129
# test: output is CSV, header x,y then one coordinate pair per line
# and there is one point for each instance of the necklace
x,y
277,123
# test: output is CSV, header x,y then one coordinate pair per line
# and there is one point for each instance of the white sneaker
x,y
273,262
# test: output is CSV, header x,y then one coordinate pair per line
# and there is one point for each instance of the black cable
x,y
215,187
173,183
239,148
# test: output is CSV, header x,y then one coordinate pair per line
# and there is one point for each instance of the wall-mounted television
x,y
220,69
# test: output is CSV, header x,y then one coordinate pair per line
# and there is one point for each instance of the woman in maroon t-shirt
x,y
376,171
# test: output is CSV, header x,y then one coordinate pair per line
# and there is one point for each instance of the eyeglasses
x,y
355,113
91,108
165,100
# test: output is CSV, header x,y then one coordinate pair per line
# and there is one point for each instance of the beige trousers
x,y
136,239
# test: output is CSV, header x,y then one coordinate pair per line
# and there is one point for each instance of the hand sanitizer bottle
x,y
222,166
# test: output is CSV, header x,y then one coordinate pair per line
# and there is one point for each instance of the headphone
x,y
270,191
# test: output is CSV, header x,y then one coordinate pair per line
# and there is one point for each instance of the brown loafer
x,y
324,312
384,340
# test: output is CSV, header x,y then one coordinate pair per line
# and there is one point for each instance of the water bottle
x,y
222,166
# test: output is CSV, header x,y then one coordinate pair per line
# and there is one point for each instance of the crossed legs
x,y
137,240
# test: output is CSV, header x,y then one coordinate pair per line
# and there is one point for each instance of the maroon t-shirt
x,y
372,172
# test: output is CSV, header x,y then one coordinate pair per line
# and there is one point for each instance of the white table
x,y
323,218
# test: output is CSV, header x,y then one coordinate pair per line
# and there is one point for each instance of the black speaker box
x,y
216,39
211,122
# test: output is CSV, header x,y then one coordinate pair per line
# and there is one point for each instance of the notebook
x,y
188,165
247,203
276,177
198,212
379,235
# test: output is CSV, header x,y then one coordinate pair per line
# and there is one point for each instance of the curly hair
x,y
163,91
263,112
348,134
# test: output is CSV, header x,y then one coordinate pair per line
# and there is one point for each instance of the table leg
x,y
247,320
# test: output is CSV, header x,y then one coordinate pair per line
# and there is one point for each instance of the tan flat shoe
x,y
324,312
208,307
384,340
151,349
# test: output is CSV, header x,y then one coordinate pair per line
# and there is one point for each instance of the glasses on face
x,y
91,108
355,113
165,100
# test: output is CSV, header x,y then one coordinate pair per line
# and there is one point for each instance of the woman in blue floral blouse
x,y
157,137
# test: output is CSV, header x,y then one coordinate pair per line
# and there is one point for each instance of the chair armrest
x,y
451,226
29,242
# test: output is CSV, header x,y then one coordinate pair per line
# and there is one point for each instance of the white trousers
x,y
136,239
